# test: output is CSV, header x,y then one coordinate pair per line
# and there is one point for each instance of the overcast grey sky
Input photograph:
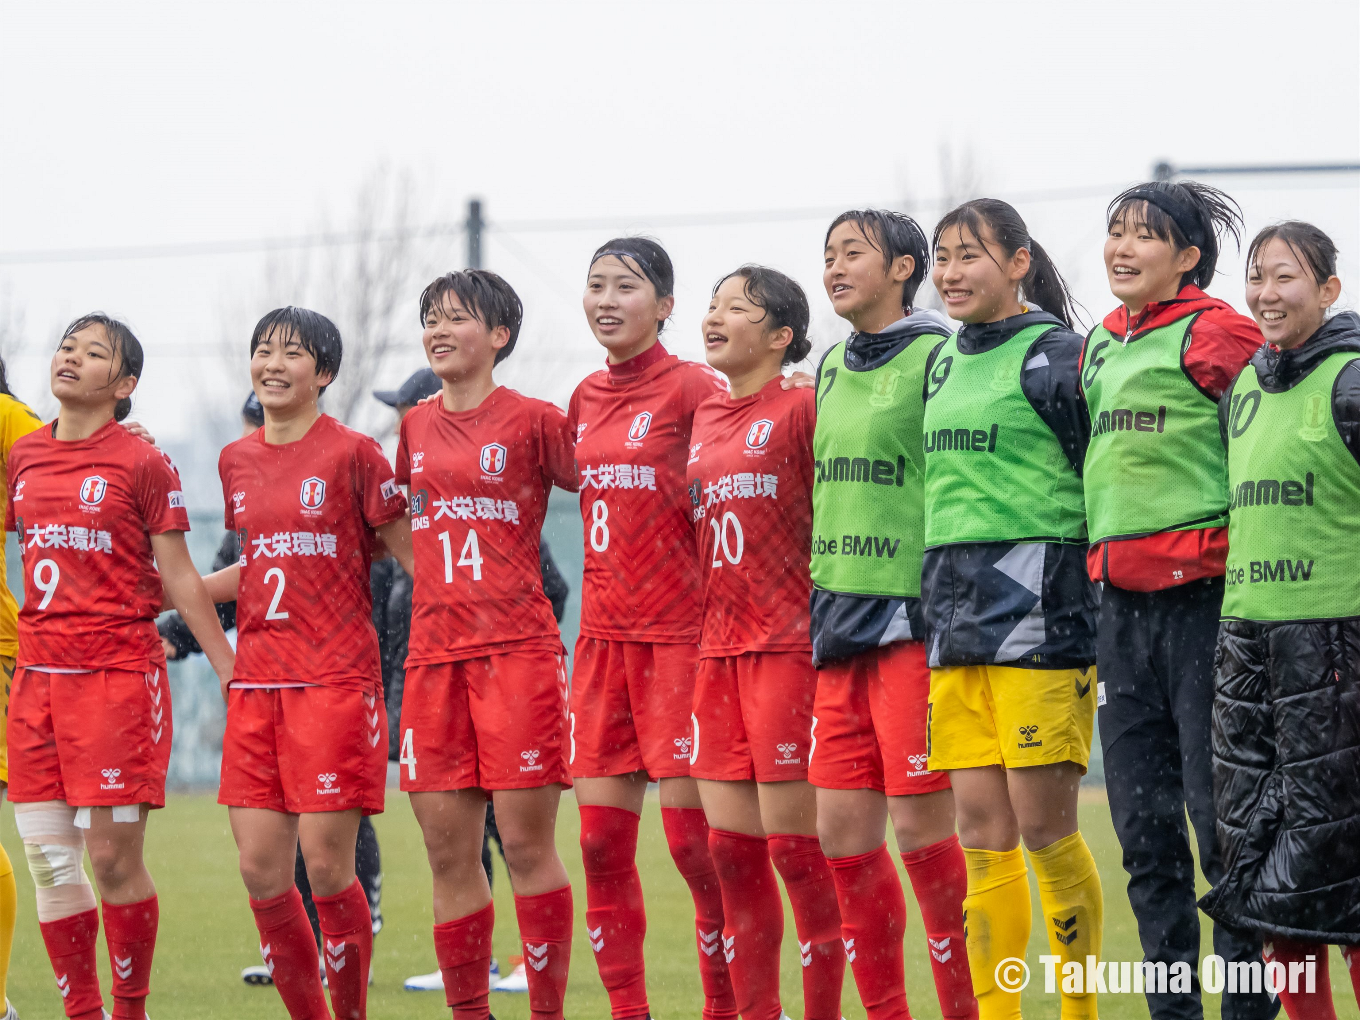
x,y
130,124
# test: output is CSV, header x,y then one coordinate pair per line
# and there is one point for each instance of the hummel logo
x,y
538,956
122,966
111,774
64,985
1083,691
708,942
918,762
596,938
1028,731
940,950
805,951
335,955
729,948
786,749
1068,927
326,778
1027,737
684,744
531,761
529,756
264,955
849,949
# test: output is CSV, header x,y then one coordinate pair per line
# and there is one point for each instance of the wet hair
x,y
315,334
1309,244
1183,214
645,259
127,352
1043,284
894,234
784,304
491,300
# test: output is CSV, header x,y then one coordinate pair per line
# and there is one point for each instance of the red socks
x,y
687,835
873,917
812,892
462,948
939,878
70,946
545,928
130,931
1301,1004
753,921
347,940
289,951
615,919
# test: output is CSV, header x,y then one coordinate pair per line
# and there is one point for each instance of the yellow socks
x,y
1069,891
996,923
9,901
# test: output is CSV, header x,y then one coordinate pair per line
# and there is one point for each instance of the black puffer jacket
x,y
1286,733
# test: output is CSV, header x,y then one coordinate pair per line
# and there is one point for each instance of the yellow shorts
x,y
1003,715
6,678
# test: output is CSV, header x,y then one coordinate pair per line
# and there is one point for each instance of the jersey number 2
x,y
273,613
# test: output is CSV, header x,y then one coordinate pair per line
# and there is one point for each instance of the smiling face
x,y
736,340
458,344
1143,268
860,282
284,374
974,276
85,370
1287,301
622,308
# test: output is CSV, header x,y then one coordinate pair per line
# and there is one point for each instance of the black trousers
x,y
1155,659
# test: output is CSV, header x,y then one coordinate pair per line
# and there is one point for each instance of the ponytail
x,y
1043,285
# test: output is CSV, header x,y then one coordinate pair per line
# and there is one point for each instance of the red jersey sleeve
x,y
228,504
557,437
382,500
1221,344
12,472
159,494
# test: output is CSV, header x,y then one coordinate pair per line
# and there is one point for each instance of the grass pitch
x,y
207,935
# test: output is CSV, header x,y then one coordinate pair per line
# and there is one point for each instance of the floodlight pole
x,y
1164,171
475,226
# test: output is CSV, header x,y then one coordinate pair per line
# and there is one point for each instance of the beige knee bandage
x,y
55,850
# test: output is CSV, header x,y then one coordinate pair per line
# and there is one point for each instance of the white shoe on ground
x,y
10,1012
516,981
434,982
257,975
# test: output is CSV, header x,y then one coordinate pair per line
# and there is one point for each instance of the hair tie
x,y
1183,212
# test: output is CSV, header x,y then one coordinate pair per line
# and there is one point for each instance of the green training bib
x,y
1294,519
995,472
1155,461
867,519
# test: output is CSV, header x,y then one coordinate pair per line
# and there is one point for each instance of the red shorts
x,y
99,739
304,749
630,708
753,717
497,722
869,723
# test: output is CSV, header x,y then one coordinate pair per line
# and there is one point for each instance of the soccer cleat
x,y
424,982
10,1012
257,975
516,981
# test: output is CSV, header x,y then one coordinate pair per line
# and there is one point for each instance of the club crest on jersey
x,y
493,458
92,490
313,493
640,425
759,433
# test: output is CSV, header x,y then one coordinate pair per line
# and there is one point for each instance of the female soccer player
x,y
305,749
1009,610
89,718
16,419
1286,726
873,682
633,678
1157,503
750,486
484,709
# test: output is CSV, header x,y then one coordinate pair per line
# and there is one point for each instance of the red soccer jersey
x,y
632,425
479,490
750,488
85,512
305,513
